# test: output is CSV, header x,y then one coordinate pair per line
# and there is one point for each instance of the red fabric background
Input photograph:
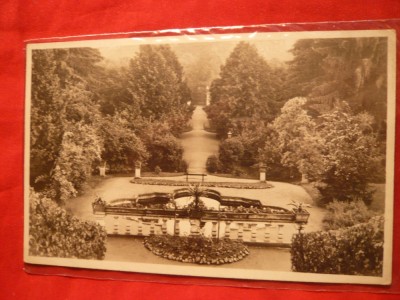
x,y
30,19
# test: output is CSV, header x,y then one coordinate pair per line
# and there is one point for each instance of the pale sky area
x,y
269,49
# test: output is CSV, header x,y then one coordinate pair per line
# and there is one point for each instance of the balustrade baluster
x,y
280,233
151,227
176,227
227,233
140,227
267,234
214,229
164,226
253,232
240,231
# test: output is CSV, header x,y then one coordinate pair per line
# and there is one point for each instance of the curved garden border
x,y
196,249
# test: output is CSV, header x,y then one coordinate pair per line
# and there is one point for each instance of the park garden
x,y
315,125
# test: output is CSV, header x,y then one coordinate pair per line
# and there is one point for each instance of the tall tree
x,y
158,89
156,83
64,121
349,69
298,141
47,107
243,90
350,155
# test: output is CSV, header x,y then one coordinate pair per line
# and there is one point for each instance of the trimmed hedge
x,y
356,250
55,233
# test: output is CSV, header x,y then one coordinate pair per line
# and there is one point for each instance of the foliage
x,y
346,214
200,72
212,164
64,140
80,148
350,69
297,141
46,117
122,147
157,170
230,153
196,249
55,233
349,155
245,90
356,250
156,83
85,113
165,152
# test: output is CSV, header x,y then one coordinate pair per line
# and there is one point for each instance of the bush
x,y
344,188
166,152
157,170
356,250
230,153
183,166
196,249
346,214
212,164
53,232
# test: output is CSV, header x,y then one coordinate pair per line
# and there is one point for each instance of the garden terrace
x,y
237,218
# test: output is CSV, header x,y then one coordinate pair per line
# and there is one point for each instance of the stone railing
x,y
238,218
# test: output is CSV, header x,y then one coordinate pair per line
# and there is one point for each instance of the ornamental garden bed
x,y
196,249
236,185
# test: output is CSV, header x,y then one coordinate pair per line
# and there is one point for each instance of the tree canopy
x,y
244,90
85,114
323,115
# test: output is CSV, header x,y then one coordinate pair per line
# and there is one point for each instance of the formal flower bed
x,y
196,249
236,185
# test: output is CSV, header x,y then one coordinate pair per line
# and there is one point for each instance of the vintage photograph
x,y
252,156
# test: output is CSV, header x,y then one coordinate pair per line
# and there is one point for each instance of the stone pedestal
x,y
102,171
138,167
263,177
99,217
304,178
263,172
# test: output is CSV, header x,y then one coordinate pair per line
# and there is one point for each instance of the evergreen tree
x,y
243,90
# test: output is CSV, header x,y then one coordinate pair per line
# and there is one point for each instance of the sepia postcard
x,y
266,156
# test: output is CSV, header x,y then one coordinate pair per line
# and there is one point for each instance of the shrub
x,y
212,164
165,151
346,214
356,250
157,170
183,166
230,153
54,232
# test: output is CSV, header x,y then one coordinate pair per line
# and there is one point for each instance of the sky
x,y
270,49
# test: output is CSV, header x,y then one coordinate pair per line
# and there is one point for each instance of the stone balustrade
x,y
238,218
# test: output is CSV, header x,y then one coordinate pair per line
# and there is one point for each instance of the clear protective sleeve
x,y
279,282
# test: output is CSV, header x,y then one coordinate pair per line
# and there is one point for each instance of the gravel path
x,y
198,144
